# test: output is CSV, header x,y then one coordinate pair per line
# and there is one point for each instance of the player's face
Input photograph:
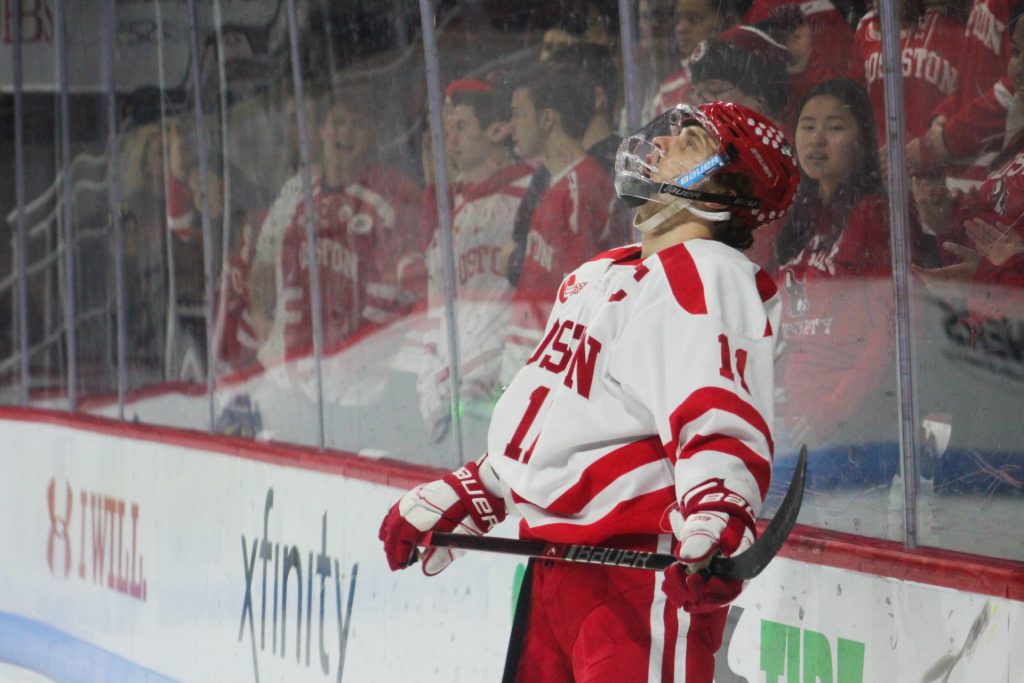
x,y
679,154
828,141
465,142
526,131
1016,67
695,21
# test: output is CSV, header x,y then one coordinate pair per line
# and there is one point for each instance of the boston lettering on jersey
x,y
568,350
984,26
919,63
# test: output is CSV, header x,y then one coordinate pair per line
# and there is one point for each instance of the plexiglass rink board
x,y
398,275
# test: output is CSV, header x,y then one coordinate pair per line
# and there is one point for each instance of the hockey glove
x,y
458,502
711,520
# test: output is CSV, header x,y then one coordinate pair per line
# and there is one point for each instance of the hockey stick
x,y
742,567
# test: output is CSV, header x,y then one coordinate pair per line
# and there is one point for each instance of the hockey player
x,y
642,420
485,195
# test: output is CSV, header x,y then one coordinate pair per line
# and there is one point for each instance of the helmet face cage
x,y
636,161
748,143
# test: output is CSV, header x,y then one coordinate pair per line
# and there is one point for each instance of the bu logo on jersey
x,y
570,287
567,349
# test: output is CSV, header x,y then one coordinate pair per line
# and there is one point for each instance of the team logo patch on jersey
x,y
570,287
360,224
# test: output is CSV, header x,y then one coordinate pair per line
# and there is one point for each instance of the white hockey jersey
x,y
653,377
482,219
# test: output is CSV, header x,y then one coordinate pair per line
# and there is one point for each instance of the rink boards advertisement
x,y
133,555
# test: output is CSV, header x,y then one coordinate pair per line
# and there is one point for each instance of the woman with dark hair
x,y
834,271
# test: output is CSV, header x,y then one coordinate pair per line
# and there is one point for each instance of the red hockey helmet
x,y
748,143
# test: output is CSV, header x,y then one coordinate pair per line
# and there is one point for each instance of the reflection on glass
x,y
532,111
973,382
834,270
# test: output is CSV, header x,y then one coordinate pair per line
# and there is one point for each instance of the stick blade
x,y
752,562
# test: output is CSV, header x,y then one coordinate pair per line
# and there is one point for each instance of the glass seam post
x,y
21,253
900,229
225,142
171,295
204,208
307,189
70,310
435,106
114,198
627,30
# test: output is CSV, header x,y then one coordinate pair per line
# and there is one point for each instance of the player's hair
x,y
563,89
596,63
734,232
864,179
357,100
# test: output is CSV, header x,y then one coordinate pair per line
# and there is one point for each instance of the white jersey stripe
x,y
379,203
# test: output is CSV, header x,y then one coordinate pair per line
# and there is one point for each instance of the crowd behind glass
x,y
533,104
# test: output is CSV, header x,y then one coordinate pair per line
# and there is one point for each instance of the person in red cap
x,y
486,189
642,418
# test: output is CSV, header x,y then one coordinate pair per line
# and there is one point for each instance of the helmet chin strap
x,y
649,224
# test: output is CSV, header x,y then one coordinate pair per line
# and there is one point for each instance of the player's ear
x,y
549,118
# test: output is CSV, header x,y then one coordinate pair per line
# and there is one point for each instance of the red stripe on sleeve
x,y
758,466
712,398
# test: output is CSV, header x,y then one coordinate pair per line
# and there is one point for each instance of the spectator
x,y
486,191
655,46
228,187
596,64
835,277
550,113
744,65
983,114
695,22
806,67
981,285
364,216
932,51
820,49
145,246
